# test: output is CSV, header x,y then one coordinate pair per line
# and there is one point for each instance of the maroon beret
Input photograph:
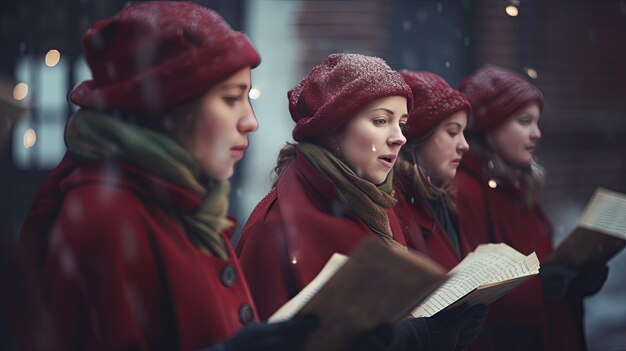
x,y
152,56
433,101
495,93
337,89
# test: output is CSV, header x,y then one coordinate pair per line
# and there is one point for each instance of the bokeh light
x,y
53,57
20,91
512,11
30,138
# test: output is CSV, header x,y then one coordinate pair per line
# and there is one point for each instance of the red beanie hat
x,y
152,56
434,101
336,89
495,93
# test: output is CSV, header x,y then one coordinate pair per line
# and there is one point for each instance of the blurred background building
x,y
573,50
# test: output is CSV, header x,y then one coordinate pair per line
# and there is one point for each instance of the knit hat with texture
x,y
336,89
152,56
495,93
433,101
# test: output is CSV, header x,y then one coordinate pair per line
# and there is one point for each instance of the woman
x,y
130,230
427,166
499,184
334,189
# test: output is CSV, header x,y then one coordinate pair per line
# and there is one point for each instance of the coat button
x,y
228,275
245,314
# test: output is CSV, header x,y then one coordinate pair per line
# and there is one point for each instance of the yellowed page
x,y
600,233
488,264
606,212
293,306
377,284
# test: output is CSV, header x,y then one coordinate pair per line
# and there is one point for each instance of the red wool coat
x,y
293,232
422,230
119,270
520,320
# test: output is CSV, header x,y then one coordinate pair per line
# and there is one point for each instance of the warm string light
x,y
20,91
512,11
532,73
30,138
52,58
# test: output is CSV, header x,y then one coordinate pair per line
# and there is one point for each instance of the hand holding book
x,y
485,275
599,234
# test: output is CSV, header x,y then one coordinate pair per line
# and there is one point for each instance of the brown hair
x,y
288,152
531,177
178,123
285,156
410,168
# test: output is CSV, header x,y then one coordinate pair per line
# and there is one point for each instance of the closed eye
x,y
231,100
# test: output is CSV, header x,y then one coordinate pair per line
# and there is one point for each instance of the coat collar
x,y
146,185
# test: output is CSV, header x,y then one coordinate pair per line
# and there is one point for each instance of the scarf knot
x,y
96,136
366,200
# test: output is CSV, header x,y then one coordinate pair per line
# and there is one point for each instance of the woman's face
x,y
370,141
442,151
221,125
515,140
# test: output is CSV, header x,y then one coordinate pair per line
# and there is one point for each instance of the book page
x,y
606,212
488,293
600,233
293,306
489,264
377,284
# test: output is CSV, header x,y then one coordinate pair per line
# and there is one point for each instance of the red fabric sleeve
x,y
102,273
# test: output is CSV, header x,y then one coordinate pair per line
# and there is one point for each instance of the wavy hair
x,y
531,177
410,167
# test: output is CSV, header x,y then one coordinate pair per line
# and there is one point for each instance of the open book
x,y
484,275
376,284
599,234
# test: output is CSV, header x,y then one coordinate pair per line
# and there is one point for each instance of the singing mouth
x,y
388,160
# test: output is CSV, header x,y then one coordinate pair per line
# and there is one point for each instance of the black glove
x,y
588,280
447,327
411,334
288,335
446,330
378,339
555,279
473,326
560,280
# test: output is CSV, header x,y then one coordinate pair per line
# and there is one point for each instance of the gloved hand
x,y
291,335
560,280
588,280
473,326
411,334
377,339
555,279
447,330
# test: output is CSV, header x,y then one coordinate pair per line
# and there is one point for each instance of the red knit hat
x,y
495,93
336,89
152,56
434,101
